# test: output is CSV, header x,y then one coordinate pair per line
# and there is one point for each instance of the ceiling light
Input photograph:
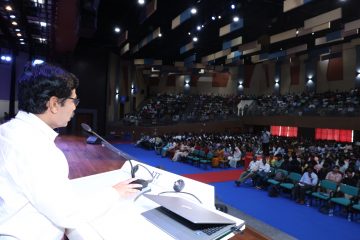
x,y
219,17
38,1
193,10
213,17
18,34
21,39
12,16
297,32
8,8
235,19
37,62
189,33
312,33
22,43
198,28
117,29
14,23
17,30
195,39
159,35
141,2
232,6
43,24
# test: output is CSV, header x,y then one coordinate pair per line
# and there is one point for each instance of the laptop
x,y
183,219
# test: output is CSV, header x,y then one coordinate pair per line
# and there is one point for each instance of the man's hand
x,y
126,189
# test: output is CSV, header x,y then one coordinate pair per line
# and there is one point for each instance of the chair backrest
x,y
294,177
285,172
209,155
201,153
349,190
328,184
195,152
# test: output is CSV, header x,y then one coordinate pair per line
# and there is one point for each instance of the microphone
x,y
178,187
133,169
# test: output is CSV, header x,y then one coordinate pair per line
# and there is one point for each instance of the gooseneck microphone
x,y
133,169
178,187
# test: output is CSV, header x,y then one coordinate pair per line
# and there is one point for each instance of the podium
x,y
124,219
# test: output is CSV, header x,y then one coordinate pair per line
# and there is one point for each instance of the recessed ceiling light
x,y
141,2
17,30
236,19
117,29
43,24
195,39
22,43
193,10
232,6
219,17
18,34
213,17
198,28
159,35
14,23
8,8
12,16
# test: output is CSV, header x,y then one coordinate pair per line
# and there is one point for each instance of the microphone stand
x,y
108,145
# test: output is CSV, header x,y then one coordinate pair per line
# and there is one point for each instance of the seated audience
x,y
334,175
251,170
307,182
236,156
261,175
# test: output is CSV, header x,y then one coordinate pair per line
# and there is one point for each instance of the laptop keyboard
x,y
211,230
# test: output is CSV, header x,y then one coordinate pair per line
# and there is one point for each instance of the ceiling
x,y
72,23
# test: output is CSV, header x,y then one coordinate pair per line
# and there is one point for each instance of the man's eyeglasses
x,y
76,101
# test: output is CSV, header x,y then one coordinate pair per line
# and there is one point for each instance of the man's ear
x,y
53,104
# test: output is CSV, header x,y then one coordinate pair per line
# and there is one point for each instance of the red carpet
x,y
222,176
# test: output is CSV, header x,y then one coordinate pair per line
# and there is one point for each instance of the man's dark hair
x,y
40,82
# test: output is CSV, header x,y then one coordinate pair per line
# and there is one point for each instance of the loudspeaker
x,y
93,140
